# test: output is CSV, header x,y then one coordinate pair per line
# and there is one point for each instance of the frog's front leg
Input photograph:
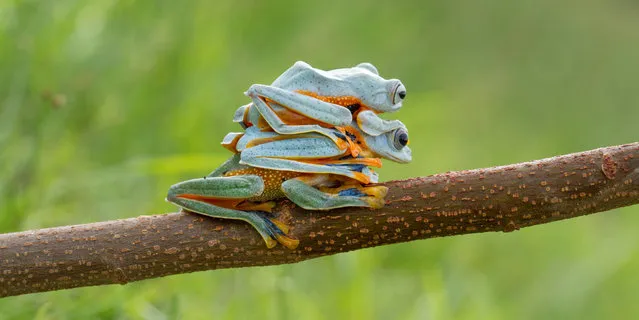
x,y
221,197
302,192
373,125
332,114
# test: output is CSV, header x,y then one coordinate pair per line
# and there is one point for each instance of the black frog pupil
x,y
402,94
403,139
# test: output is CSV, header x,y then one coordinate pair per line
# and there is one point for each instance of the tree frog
x,y
314,153
305,99
308,168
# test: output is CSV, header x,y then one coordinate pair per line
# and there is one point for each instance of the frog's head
x,y
376,92
361,81
392,145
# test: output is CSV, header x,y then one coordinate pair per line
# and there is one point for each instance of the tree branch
x,y
495,199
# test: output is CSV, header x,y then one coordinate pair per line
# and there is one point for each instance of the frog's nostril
x,y
402,94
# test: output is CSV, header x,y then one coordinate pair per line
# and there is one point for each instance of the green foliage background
x,y
104,104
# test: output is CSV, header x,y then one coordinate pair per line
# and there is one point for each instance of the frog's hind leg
x,y
299,155
311,107
324,112
302,192
220,197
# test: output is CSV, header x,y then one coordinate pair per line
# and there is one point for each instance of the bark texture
x,y
494,199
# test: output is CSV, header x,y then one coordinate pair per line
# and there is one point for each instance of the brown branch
x,y
496,199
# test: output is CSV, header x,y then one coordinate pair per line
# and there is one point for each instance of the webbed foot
x,y
372,196
271,229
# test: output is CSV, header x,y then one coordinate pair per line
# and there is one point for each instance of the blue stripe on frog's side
x,y
352,167
353,192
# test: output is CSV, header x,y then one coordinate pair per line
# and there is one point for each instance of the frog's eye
x,y
399,93
400,138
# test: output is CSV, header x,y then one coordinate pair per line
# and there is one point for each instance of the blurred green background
x,y
104,104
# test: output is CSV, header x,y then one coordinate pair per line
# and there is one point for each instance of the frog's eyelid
x,y
368,66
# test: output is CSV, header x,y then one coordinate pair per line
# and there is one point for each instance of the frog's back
x,y
333,83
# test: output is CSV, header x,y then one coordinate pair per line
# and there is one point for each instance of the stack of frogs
x,y
311,137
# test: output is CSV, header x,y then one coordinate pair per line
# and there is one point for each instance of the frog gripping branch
x,y
310,137
441,205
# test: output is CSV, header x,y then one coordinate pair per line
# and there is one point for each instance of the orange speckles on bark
x,y
609,166
172,250
393,219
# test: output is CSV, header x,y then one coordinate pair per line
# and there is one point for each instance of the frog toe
x,y
374,202
287,241
279,231
281,225
372,197
273,231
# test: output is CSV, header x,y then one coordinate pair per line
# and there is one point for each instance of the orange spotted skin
x,y
272,181
343,101
293,118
